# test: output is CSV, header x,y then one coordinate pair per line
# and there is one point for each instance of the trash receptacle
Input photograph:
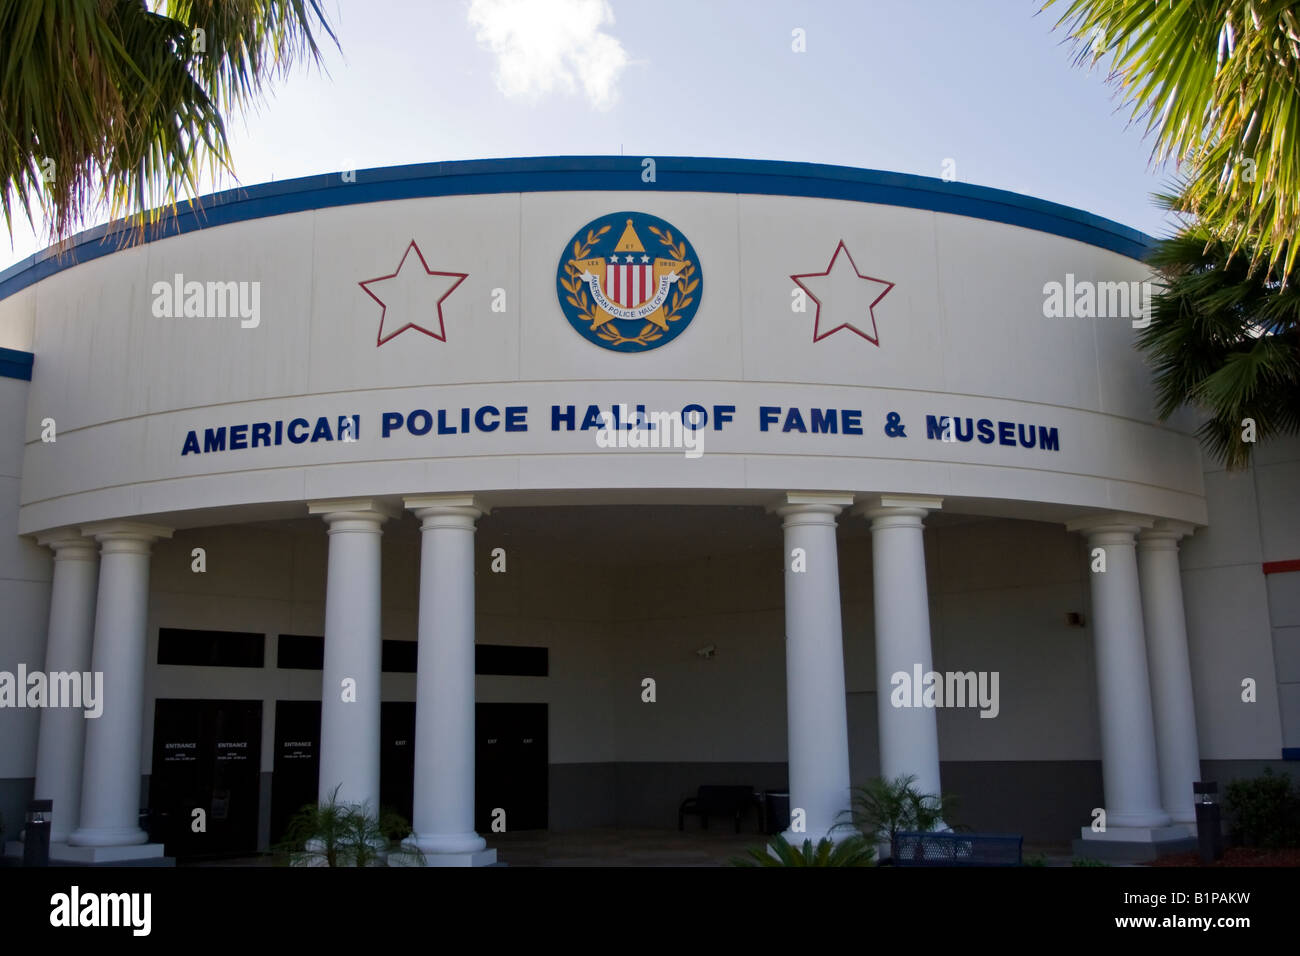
x,y
776,810
36,839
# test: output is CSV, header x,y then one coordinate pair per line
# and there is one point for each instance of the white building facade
x,y
537,493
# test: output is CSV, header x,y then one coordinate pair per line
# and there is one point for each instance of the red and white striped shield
x,y
629,284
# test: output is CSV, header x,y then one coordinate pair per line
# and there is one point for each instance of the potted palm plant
x,y
348,834
881,809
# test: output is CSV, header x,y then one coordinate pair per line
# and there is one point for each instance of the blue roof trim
x,y
551,173
16,364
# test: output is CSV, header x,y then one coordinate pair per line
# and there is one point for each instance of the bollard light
x,y
36,836
1208,830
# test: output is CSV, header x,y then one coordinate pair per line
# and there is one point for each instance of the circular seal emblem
x,y
629,282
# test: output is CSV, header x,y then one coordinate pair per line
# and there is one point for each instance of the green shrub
x,y
347,834
1087,861
852,851
883,808
1264,811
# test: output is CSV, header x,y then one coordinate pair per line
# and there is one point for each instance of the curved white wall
x,y
962,332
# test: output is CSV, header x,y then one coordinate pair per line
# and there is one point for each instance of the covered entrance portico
x,y
801,685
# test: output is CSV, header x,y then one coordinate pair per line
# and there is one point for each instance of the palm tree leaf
x,y
109,107
1224,339
1217,84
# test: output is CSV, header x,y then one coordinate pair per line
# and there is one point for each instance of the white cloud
x,y
545,45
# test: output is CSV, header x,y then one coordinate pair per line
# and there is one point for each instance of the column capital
x,y
1115,523
432,507
1164,535
68,544
913,508
368,511
829,503
110,530
126,536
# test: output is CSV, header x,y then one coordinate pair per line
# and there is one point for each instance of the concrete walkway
x,y
633,848
623,847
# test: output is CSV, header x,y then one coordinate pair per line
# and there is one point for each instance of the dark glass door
x,y
297,762
207,757
397,756
510,766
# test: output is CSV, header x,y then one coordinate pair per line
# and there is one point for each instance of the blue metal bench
x,y
956,849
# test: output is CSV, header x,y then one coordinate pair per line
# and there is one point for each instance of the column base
x,y
1141,820
145,854
477,858
108,837
1133,844
835,834
434,843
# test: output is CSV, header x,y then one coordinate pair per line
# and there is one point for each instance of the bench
x,y
728,801
955,849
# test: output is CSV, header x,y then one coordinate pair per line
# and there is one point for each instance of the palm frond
x,y
109,107
331,833
1216,83
1224,339
882,808
851,851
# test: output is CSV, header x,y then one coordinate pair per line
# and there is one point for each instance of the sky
x,y
988,87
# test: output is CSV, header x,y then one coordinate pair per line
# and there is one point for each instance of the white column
x,y
1172,702
62,742
443,816
1128,741
110,788
350,678
816,711
909,736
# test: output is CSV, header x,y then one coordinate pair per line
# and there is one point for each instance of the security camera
x,y
707,651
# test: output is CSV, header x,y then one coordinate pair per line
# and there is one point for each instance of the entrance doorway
x,y
397,757
297,762
206,757
510,759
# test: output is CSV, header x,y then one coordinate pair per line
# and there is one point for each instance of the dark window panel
x,y
398,657
196,648
303,652
505,659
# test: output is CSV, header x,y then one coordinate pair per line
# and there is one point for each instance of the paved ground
x,y
616,847
628,847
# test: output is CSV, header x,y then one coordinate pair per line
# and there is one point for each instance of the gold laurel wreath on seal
x,y
578,298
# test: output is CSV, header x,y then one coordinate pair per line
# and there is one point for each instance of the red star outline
x,y
441,334
874,338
